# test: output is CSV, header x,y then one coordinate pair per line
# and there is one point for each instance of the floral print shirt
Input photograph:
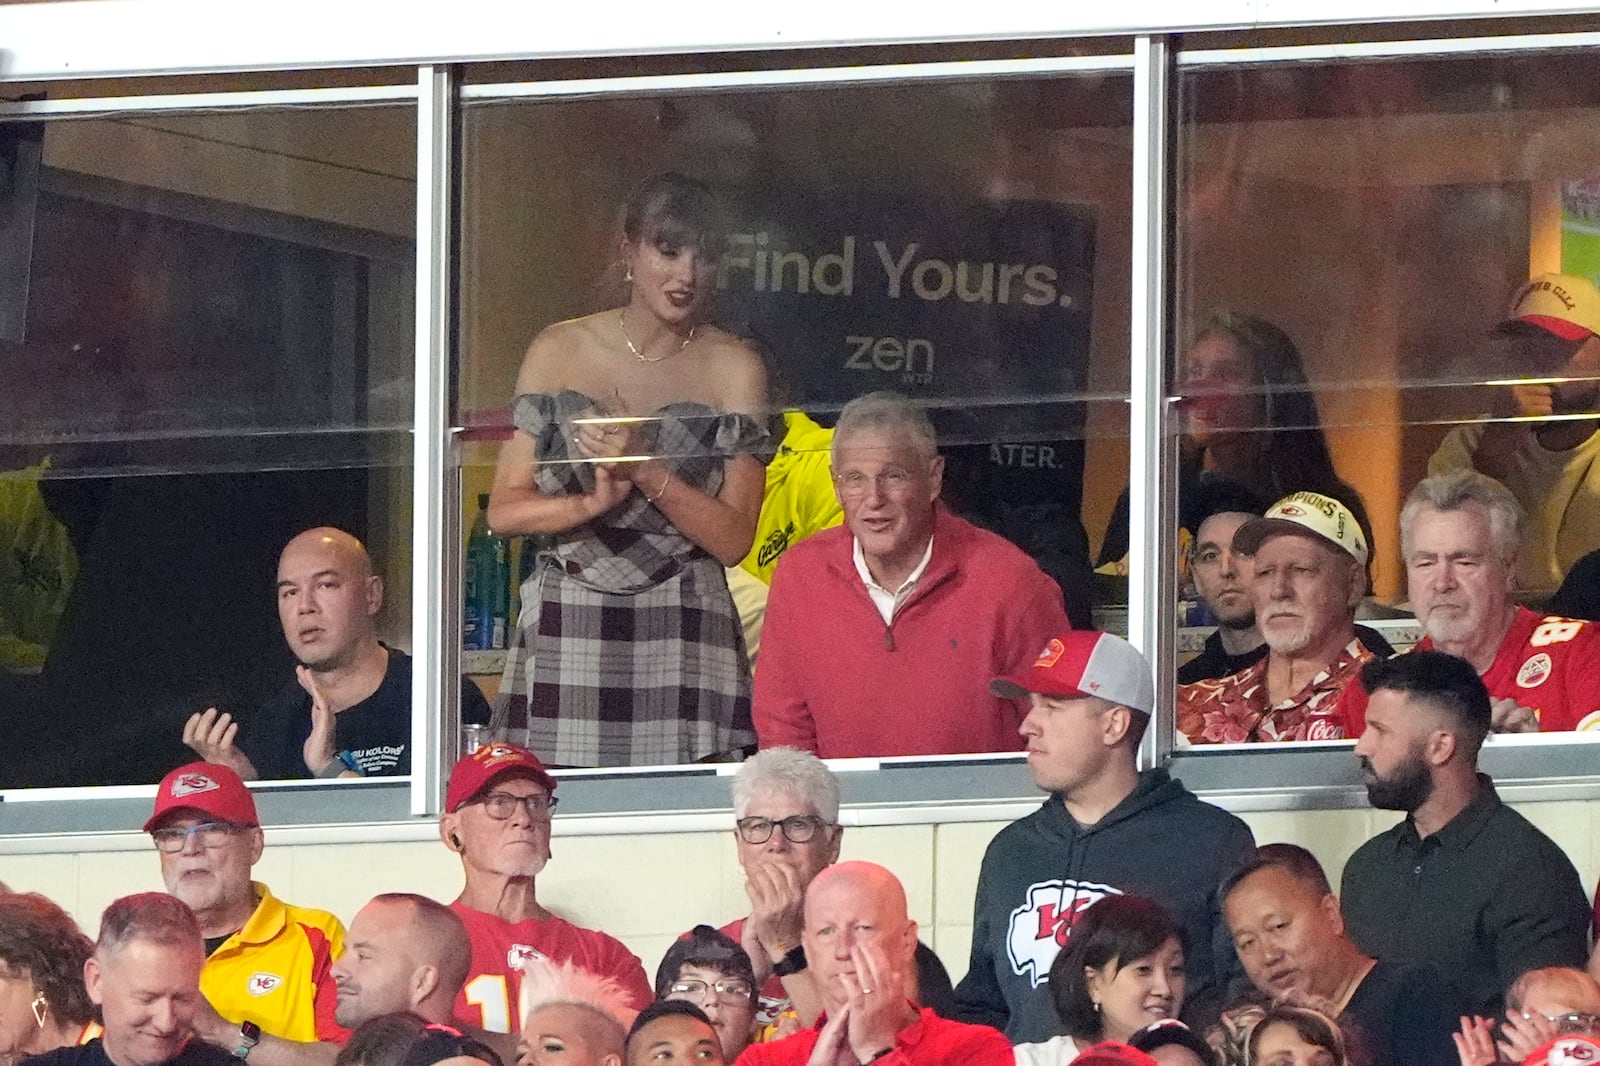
x,y
1233,709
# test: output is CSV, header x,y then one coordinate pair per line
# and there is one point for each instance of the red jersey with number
x,y
489,999
1551,665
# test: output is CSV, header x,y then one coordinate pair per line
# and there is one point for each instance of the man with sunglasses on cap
x,y
267,975
1551,467
1306,580
1105,829
497,818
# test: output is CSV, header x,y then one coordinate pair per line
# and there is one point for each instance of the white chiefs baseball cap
x,y
1085,663
1305,512
1562,304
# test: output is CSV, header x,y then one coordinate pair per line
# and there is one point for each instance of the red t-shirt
x,y
1546,663
928,1041
489,999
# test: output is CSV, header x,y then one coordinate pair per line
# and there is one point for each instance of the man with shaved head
x,y
860,943
347,713
403,952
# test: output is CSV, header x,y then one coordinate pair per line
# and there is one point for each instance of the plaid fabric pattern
x,y
629,651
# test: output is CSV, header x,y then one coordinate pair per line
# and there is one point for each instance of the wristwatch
x,y
793,961
249,1037
875,1057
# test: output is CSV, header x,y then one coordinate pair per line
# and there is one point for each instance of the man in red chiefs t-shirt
x,y
1461,533
497,818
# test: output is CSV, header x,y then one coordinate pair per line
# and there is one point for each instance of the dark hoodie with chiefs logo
x,y
1043,871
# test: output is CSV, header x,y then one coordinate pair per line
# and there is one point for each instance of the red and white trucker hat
x,y
206,787
1085,663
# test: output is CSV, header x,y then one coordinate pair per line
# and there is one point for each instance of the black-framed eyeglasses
x,y
730,989
170,840
499,805
797,829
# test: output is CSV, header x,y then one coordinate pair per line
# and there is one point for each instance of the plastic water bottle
x,y
488,599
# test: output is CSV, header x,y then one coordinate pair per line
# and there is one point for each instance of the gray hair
x,y
151,916
789,771
1455,490
889,412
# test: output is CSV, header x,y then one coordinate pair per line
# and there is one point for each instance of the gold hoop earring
x,y
41,1007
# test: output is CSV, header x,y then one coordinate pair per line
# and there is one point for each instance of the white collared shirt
x,y
883,599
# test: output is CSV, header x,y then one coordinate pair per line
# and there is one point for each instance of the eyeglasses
x,y
172,840
730,989
853,484
1574,1023
796,829
499,805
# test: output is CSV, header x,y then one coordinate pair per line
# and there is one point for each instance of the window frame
x,y
877,791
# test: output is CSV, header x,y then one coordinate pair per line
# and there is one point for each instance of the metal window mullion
x,y
435,660
1151,489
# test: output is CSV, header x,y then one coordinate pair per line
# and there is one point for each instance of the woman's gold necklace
x,y
622,326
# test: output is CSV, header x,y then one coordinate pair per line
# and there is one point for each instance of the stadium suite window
x,y
953,260
208,328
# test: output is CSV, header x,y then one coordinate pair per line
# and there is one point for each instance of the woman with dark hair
x,y
1248,412
1121,970
634,452
1296,1036
707,968
43,1002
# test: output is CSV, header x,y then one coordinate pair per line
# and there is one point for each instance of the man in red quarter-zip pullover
x,y
882,634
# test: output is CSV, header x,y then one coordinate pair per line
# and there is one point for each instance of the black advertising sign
x,y
967,304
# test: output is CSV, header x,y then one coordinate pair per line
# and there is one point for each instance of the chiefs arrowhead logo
x,y
262,983
1052,653
1570,1052
1291,511
519,955
1041,927
193,783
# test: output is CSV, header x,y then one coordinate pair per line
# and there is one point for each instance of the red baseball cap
x,y
1085,663
1566,1051
476,772
208,788
1113,1053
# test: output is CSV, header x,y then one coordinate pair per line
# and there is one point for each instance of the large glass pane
x,y
965,245
1351,239
205,349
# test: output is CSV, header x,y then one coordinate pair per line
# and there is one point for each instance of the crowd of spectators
x,y
1126,921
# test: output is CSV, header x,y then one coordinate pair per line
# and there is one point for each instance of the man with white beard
x,y
1461,534
497,819
1306,579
